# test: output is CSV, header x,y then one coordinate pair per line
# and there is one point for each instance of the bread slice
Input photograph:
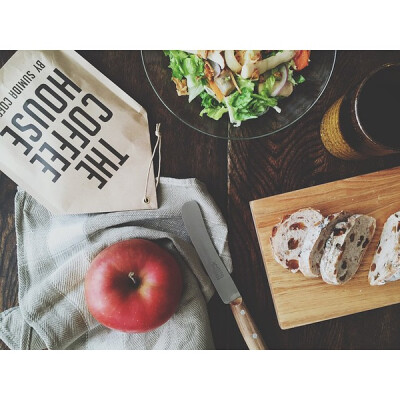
x,y
314,244
288,236
385,266
346,247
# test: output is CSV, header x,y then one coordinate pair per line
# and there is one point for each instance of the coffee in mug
x,y
365,121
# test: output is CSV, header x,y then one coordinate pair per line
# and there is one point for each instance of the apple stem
x,y
132,276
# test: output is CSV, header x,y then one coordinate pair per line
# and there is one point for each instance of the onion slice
x,y
231,61
215,55
216,67
280,84
267,64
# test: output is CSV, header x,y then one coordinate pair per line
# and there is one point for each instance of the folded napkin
x,y
54,253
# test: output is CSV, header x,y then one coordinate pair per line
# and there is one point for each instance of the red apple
x,y
133,286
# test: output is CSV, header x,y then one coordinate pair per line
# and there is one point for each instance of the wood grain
x,y
300,301
247,326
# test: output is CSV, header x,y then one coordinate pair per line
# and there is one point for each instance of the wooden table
x,y
235,173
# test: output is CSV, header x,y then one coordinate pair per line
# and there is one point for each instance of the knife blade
x,y
212,262
219,275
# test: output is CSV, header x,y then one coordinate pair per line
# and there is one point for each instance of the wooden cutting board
x,y
300,301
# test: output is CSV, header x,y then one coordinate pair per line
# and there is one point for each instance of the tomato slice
x,y
301,58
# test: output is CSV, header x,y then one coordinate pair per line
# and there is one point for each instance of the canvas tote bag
x,y
71,138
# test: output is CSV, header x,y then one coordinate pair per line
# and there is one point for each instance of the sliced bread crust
x,y
345,248
288,236
385,265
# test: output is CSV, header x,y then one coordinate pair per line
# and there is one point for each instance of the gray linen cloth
x,y
54,253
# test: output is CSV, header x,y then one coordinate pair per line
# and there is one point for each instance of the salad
x,y
245,84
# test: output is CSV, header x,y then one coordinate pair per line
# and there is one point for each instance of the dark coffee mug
x,y
365,121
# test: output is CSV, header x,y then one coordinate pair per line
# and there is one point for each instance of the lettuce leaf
x,y
248,105
299,79
294,77
244,83
195,87
212,107
273,53
176,58
182,64
193,66
214,113
265,88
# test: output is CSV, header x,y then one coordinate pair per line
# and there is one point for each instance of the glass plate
x,y
304,96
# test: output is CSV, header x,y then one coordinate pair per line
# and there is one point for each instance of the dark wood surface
x,y
236,173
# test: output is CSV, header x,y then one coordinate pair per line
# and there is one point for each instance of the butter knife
x,y
219,275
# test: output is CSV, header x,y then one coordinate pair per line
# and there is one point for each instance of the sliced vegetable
x,y
216,67
301,59
280,84
231,61
252,56
267,64
215,55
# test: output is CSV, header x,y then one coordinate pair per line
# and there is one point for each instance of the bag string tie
x,y
146,199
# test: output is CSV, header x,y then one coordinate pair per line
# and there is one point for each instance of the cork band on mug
x,y
332,136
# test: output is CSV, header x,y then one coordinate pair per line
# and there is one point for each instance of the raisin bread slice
x,y
346,247
385,266
314,244
288,236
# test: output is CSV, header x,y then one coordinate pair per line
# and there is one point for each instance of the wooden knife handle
x,y
247,327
